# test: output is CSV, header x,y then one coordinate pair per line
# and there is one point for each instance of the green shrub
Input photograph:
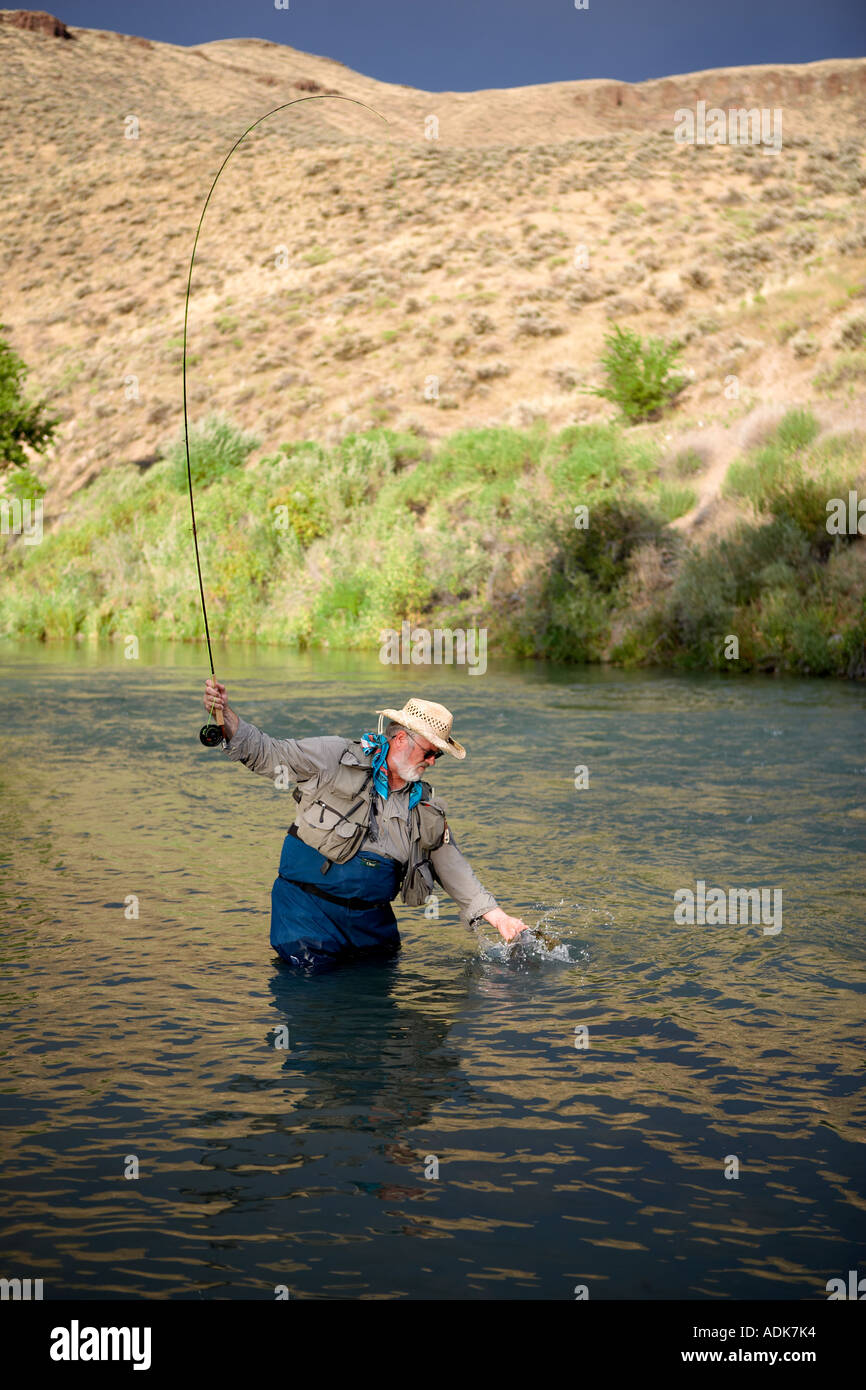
x,y
773,470
340,603
853,648
755,477
602,550
21,482
216,447
584,460
577,620
490,454
672,501
796,429
803,501
793,633
568,619
22,422
305,513
354,472
776,481
640,376
730,573
473,472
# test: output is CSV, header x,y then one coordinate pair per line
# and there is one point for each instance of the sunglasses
x,y
433,753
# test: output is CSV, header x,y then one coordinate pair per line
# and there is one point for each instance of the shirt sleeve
x,y
305,758
455,874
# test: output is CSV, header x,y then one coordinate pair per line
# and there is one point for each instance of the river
x,y
646,1108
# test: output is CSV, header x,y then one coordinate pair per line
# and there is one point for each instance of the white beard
x,y
409,771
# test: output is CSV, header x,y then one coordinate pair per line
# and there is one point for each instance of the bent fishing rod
x,y
212,734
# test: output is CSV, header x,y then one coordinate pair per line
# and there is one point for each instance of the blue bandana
x,y
369,741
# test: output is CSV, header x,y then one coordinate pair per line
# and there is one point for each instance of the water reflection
x,y
362,1059
154,1035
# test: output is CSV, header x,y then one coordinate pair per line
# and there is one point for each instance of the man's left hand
x,y
508,927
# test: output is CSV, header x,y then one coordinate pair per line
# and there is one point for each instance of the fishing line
x,y
212,734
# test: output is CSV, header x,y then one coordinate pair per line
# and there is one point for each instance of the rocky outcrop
x,y
39,22
646,104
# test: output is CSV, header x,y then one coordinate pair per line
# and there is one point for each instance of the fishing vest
x,y
333,817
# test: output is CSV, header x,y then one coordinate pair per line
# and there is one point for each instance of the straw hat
x,y
432,721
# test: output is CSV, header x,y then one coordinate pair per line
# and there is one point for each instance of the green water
x,y
311,1165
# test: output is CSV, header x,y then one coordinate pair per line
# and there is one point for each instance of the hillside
x,y
406,258
429,314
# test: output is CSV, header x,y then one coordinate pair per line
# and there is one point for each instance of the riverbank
x,y
558,544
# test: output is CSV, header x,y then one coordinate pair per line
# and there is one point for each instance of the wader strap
x,y
332,897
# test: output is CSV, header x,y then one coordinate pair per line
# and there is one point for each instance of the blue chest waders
x,y
314,926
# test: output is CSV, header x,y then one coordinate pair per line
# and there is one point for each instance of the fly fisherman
x,y
366,829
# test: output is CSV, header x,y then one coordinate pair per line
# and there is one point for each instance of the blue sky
x,y
461,45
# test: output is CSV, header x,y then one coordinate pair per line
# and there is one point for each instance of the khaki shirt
x,y
309,758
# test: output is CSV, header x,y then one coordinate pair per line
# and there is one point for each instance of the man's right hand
x,y
217,705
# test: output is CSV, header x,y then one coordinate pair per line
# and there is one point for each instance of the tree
x,y
639,376
22,422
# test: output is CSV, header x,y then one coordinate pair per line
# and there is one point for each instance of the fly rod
x,y
212,734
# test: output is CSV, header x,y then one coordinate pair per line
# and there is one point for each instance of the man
x,y
366,828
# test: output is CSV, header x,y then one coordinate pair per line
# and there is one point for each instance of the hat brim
x,y
408,721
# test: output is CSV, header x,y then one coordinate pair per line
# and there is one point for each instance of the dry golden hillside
x,y
353,273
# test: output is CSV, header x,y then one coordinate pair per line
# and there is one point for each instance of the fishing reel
x,y
211,734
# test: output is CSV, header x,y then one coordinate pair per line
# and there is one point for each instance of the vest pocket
x,y
325,818
418,883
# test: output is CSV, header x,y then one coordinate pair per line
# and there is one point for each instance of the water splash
x,y
550,940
